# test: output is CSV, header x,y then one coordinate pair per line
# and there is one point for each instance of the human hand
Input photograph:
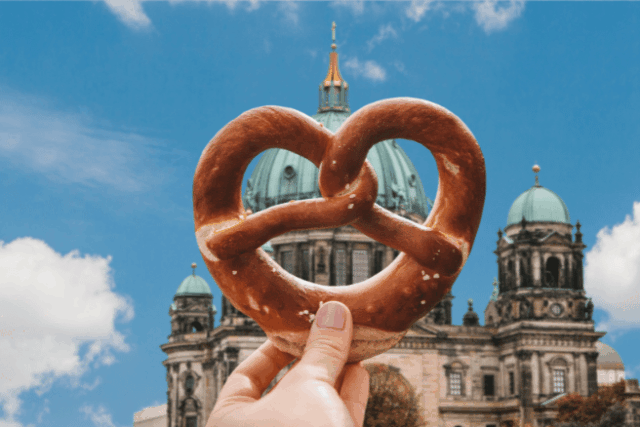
x,y
318,391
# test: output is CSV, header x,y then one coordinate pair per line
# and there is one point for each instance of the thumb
x,y
329,343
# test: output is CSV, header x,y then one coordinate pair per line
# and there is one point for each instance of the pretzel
x,y
384,306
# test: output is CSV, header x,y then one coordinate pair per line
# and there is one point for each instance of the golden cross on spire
x,y
333,35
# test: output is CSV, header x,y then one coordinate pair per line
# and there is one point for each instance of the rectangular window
x,y
305,265
512,384
455,383
377,262
341,267
287,261
191,422
558,381
360,266
489,389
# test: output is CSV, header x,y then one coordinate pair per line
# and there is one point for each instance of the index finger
x,y
251,378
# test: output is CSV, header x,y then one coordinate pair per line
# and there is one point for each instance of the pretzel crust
x,y
384,306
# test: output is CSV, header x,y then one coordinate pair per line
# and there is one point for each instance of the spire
x,y
535,170
333,90
494,294
193,266
578,233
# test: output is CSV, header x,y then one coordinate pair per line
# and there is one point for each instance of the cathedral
x,y
537,343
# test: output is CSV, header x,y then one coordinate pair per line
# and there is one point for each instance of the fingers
x,y
328,345
250,379
355,392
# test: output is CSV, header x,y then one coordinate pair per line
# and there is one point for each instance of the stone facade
x,y
538,341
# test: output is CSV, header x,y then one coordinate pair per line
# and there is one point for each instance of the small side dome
x,y
538,204
470,318
608,358
193,285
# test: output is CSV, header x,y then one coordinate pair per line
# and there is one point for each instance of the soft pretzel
x,y
384,306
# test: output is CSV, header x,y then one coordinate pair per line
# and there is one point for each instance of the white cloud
x,y
129,12
289,10
492,15
384,33
51,305
612,273
45,410
73,148
356,6
399,66
99,417
368,69
417,9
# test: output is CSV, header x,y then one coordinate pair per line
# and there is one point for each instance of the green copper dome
x,y
193,285
281,176
538,204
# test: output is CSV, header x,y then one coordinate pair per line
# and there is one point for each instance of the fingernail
x,y
331,316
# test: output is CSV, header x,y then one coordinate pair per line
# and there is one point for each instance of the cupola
x,y
192,309
538,204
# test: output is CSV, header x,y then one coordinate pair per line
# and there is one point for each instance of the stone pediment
x,y
554,238
421,329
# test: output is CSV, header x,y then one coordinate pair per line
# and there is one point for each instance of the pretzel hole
x,y
342,256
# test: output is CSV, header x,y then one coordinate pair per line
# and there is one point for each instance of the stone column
x,y
516,260
349,263
562,272
585,379
572,376
210,392
502,377
535,376
540,375
535,266
176,396
577,372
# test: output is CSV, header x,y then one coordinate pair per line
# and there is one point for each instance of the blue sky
x,y
105,108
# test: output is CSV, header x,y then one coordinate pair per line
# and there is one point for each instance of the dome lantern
x,y
333,91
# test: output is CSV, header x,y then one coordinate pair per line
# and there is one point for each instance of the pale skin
x,y
319,390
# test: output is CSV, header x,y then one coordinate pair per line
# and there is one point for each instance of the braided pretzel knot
x,y
384,306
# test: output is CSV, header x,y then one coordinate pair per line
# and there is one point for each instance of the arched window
x,y
558,368
289,182
511,274
455,373
196,327
552,272
189,384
